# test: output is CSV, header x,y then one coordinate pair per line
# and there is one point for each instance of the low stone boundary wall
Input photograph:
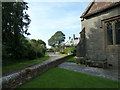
x,y
14,80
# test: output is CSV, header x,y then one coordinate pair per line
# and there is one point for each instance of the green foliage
x,y
33,49
39,47
50,49
56,48
70,50
56,39
63,54
5,51
15,22
41,42
32,53
72,59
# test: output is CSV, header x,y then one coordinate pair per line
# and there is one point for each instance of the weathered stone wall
x,y
81,47
29,73
96,49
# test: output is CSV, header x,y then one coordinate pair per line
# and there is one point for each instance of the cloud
x,y
47,18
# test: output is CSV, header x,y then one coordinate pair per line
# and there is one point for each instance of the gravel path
x,y
100,72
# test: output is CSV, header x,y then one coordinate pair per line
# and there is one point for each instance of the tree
x,y
56,39
39,47
37,42
15,22
41,42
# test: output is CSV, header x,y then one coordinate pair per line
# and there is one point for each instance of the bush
x,y
70,50
32,53
26,49
4,52
39,54
62,52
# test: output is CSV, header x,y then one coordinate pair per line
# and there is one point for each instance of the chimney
x,y
73,36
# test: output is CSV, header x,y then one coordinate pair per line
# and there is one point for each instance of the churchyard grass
x,y
61,78
63,54
72,59
14,65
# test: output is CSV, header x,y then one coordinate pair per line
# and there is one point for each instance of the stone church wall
x,y
96,48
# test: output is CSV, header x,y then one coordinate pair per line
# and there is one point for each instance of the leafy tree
x,y
39,47
15,22
41,42
56,39
33,40
37,42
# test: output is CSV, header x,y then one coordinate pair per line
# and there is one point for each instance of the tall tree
x,y
15,22
57,39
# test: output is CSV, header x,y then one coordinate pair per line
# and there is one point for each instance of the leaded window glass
x,y
109,34
113,31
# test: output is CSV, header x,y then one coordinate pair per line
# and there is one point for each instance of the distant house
x,y
100,35
72,41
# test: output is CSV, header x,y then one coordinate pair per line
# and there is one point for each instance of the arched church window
x,y
113,31
117,31
109,34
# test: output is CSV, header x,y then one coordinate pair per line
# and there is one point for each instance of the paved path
x,y
100,72
53,57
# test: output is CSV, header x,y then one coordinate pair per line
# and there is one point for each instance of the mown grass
x,y
72,59
61,78
14,65
63,54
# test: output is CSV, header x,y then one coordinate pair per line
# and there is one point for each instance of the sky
x,y
49,17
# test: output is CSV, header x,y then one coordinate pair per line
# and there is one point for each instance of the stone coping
x,y
14,80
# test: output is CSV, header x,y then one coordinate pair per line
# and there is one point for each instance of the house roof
x,y
72,42
96,7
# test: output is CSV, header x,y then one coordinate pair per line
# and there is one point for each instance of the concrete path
x,y
100,72
53,57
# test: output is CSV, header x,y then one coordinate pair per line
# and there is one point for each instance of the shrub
x,y
39,54
32,54
30,49
4,52
62,52
70,50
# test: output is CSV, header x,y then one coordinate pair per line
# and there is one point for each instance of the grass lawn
x,y
10,66
72,59
63,54
61,78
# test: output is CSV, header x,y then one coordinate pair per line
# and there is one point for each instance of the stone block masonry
x,y
12,81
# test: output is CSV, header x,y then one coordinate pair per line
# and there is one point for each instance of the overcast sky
x,y
50,17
